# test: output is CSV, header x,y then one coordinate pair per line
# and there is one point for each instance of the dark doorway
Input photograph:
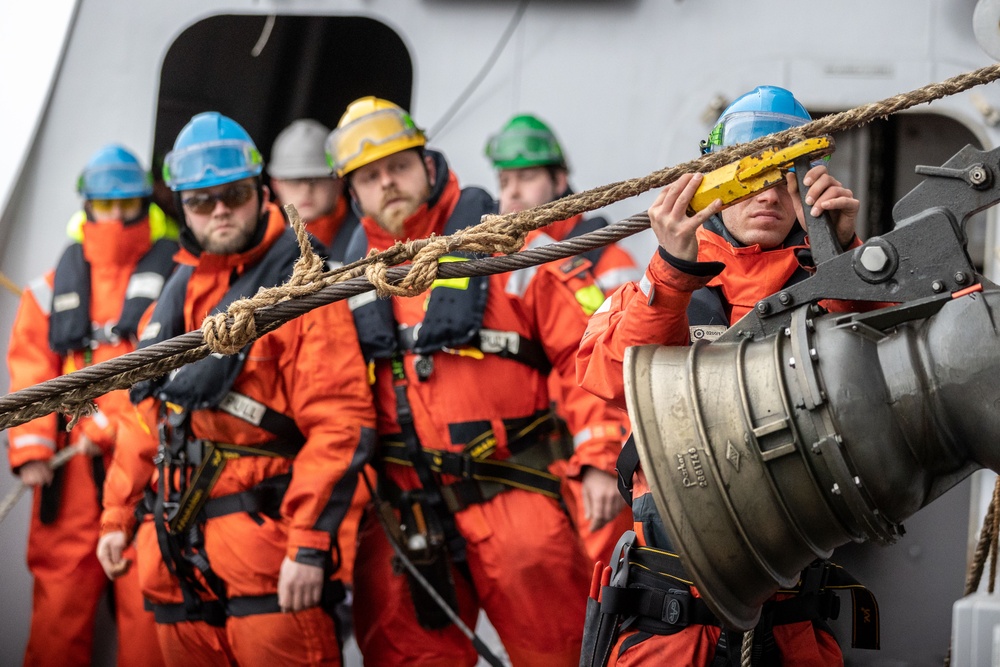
x,y
266,71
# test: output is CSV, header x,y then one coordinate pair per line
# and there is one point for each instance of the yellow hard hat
x,y
369,130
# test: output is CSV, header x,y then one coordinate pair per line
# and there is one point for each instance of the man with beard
x,y
461,390
251,459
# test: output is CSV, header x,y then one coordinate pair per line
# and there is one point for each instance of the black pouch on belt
x,y
424,545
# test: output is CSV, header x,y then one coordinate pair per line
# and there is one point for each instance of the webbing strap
x,y
264,498
212,612
505,344
524,470
214,459
259,414
658,572
411,450
672,606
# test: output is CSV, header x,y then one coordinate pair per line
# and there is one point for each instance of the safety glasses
x,y
527,145
108,206
234,196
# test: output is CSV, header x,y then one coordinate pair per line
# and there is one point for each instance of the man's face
x,y
391,189
312,197
526,188
764,219
224,218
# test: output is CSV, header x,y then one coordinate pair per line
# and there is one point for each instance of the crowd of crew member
x,y
253,509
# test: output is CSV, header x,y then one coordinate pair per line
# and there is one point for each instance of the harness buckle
x,y
676,607
619,569
814,578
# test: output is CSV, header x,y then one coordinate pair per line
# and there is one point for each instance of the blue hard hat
x,y
764,110
210,150
114,173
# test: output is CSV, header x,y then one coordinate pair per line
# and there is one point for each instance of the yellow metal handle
x,y
741,180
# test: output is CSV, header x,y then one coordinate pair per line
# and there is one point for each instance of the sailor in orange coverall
x,y
708,272
253,457
85,312
463,406
300,176
532,170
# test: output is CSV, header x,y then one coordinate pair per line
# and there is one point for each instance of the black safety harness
x,y
189,467
453,321
649,590
71,329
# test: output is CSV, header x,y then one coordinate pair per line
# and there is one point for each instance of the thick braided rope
x,y
158,359
496,234
230,332
608,194
747,649
978,563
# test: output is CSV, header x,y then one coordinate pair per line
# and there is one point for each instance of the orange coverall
x,y
68,580
526,567
614,268
654,311
311,370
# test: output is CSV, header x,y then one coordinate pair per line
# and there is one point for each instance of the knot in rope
x,y
231,331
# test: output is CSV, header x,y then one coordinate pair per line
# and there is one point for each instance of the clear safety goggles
x,y
115,181
744,126
348,143
216,160
530,145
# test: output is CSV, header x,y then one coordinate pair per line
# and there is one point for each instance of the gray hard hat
x,y
299,152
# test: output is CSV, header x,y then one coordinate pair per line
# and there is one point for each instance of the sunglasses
x,y
107,206
232,197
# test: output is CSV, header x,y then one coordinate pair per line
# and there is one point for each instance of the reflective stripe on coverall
x,y
311,370
527,569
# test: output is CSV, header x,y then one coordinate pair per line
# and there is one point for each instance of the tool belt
x,y
649,591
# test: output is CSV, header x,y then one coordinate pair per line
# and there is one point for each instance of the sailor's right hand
x,y
674,229
109,553
35,473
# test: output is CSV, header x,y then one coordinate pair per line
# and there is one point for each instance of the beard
x,y
234,241
392,217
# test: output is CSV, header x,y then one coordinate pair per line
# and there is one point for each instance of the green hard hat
x,y
525,141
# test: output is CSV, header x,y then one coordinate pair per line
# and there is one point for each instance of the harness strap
x,y
656,590
412,450
505,344
523,470
264,498
214,459
212,612
254,412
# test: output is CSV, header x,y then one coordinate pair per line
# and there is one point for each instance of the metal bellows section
x,y
764,455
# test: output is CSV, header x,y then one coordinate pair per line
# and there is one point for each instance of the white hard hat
x,y
298,151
